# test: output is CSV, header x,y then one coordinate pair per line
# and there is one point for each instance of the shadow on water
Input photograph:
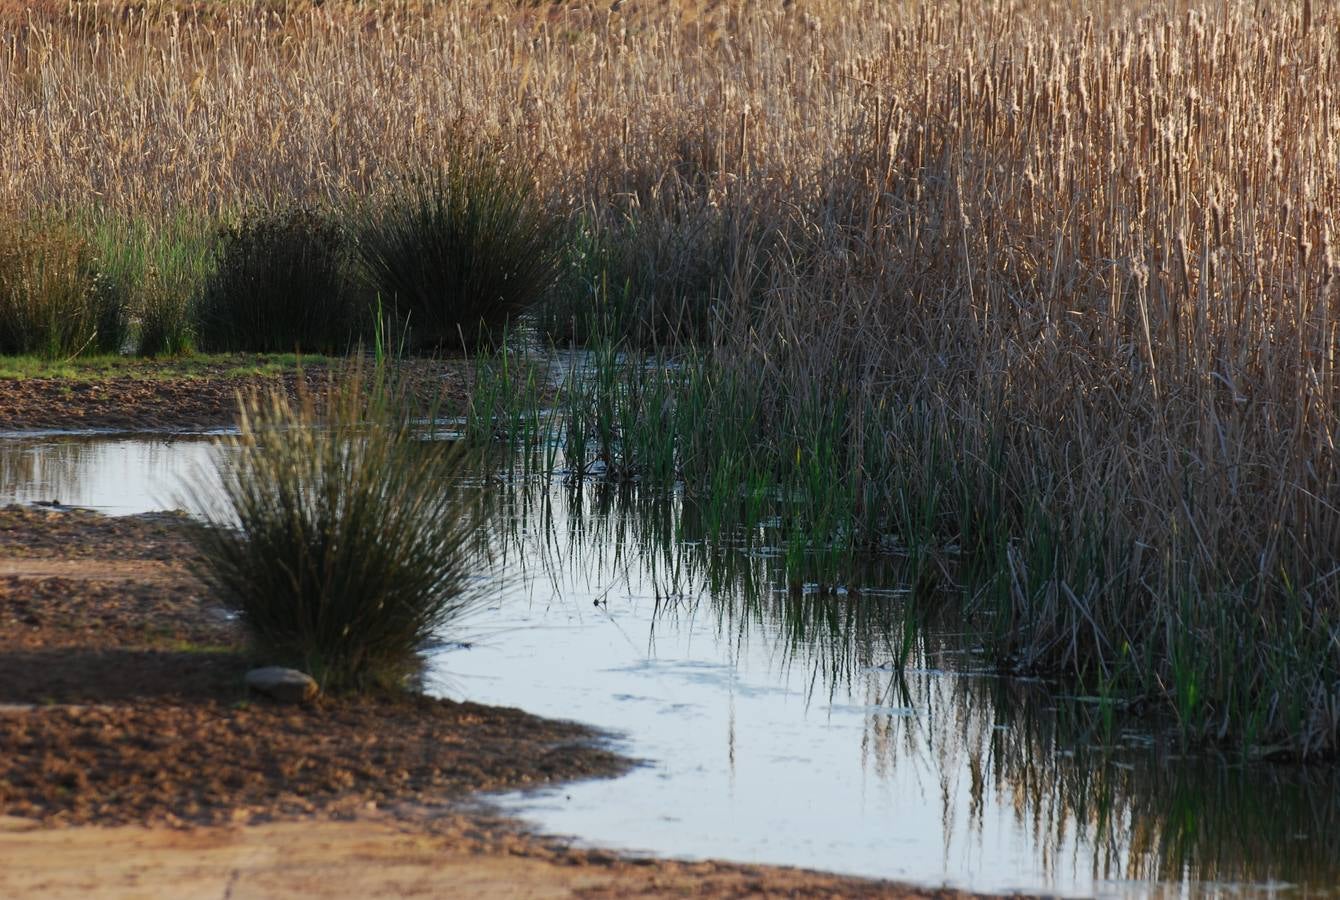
x,y
804,716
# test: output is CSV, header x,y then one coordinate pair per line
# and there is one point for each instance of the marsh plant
x,y
347,542
282,282
150,271
1048,300
48,299
462,251
119,258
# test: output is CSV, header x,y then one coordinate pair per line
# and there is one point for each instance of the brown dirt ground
x,y
207,399
374,857
121,402
133,764
125,699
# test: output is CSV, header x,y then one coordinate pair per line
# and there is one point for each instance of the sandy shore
x,y
369,859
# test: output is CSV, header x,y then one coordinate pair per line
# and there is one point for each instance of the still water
x,y
771,722
119,474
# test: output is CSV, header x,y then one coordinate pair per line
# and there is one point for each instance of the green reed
x,y
838,475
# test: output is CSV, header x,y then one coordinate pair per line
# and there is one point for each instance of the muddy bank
x,y
124,403
123,700
172,396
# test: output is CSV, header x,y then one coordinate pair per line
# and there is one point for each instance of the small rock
x,y
284,685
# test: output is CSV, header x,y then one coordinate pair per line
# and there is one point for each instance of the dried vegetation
x,y
1078,272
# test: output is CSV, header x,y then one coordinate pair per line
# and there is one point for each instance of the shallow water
x,y
771,722
117,473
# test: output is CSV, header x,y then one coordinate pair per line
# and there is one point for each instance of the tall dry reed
x,y
1080,271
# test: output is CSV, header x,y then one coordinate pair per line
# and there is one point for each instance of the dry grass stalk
x,y
1100,253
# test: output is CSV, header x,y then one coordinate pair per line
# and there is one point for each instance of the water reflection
x,y
118,474
773,718
962,778
735,580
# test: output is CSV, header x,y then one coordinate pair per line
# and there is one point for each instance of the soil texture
x,y
205,400
122,700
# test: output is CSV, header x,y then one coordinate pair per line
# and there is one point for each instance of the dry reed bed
x,y
1079,271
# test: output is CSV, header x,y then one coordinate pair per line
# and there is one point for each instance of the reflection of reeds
x,y
66,466
1066,775
23,466
348,542
830,633
18,465
1147,812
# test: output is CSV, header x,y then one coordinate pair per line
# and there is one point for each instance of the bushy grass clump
x,y
282,282
48,298
461,252
348,542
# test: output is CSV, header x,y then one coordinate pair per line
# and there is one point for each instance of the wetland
x,y
885,437
774,725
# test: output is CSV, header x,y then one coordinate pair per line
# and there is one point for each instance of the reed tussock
x,y
461,252
346,539
1070,280
283,281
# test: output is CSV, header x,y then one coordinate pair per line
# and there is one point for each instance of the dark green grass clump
x,y
352,543
461,252
281,283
